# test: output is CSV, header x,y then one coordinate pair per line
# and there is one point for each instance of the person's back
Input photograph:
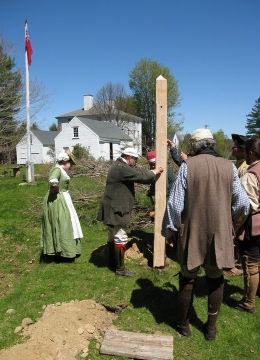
x,y
205,198
206,214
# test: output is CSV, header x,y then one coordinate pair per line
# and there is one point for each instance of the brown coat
x,y
254,222
206,219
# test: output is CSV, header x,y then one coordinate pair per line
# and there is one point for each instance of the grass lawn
x,y
151,296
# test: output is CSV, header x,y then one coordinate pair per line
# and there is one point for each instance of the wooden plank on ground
x,y
137,345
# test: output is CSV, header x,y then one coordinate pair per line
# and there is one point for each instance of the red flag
x,y
28,46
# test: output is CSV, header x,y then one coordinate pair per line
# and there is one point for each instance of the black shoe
x,y
125,272
184,330
208,334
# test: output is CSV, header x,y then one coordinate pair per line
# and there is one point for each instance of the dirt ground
x,y
64,330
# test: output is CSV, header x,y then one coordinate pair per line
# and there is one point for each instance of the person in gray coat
x,y
117,204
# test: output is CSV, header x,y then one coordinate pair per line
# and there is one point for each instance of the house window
x,y
76,132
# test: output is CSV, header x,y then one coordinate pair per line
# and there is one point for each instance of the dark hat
x,y
239,140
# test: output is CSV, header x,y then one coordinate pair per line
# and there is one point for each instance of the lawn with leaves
x,y
26,284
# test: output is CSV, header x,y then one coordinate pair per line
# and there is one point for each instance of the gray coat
x,y
118,199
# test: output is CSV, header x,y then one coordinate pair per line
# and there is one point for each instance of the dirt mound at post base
x,y
64,330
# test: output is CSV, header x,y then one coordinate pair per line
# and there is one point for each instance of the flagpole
x,y
28,162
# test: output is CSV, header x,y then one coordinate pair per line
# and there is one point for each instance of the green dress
x,y
61,231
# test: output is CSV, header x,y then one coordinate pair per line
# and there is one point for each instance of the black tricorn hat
x,y
239,140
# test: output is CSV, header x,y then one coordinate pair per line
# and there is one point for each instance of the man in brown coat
x,y
238,151
248,235
205,198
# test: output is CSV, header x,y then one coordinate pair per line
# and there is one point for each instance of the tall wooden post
x,y
161,160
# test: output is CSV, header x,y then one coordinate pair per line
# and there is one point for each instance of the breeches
x,y
212,271
250,247
117,234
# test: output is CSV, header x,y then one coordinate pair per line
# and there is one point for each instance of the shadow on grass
x,y
201,290
162,301
47,259
99,257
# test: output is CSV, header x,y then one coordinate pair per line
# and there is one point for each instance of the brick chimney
x,y
88,102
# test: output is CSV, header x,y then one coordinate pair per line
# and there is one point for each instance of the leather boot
x,y
111,255
120,261
258,289
186,291
251,282
215,298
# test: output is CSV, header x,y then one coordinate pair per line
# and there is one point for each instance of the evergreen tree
x,y
10,96
253,120
53,127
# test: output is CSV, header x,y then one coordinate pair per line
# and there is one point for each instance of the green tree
x,y
143,84
223,144
13,102
34,126
184,143
10,96
253,120
79,151
53,127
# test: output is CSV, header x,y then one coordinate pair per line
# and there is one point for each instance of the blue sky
x,y
211,47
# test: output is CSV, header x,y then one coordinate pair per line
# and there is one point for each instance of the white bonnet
x,y
63,156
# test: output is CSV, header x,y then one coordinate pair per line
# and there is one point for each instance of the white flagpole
x,y
28,162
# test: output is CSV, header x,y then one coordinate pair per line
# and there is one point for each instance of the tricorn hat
x,y
239,140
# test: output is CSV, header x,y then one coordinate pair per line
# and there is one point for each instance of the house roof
x,y
170,135
45,137
97,110
105,129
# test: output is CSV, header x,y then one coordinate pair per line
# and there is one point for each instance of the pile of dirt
x,y
64,330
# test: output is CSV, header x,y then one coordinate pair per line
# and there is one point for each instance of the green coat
x,y
170,180
118,199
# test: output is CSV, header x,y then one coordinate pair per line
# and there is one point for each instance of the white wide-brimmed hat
x,y
131,152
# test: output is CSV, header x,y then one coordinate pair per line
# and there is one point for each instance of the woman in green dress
x,y
61,230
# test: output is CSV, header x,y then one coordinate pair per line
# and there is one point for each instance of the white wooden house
x,y
173,137
130,124
41,142
102,139
101,129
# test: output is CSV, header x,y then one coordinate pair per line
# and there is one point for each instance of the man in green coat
x,y
118,201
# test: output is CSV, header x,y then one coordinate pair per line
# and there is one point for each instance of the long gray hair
x,y
203,144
